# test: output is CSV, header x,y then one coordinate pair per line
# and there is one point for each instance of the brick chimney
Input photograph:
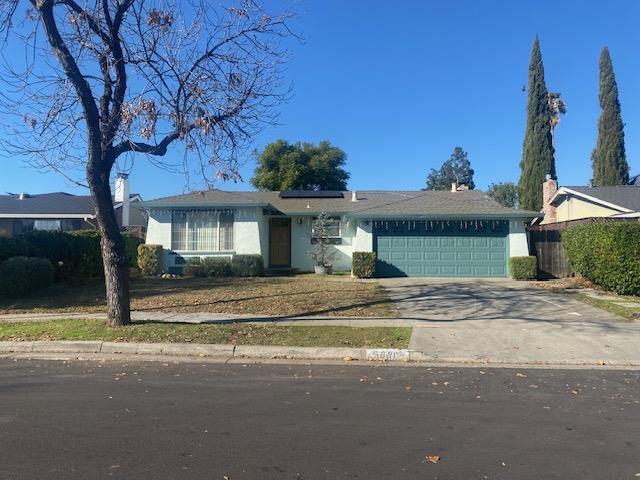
x,y
549,189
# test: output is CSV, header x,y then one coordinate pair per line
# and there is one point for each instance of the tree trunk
x,y
114,256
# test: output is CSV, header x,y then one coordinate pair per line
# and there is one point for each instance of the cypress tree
x,y
609,159
537,156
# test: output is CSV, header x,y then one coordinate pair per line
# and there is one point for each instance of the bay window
x,y
202,231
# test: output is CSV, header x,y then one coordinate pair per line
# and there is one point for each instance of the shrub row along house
x,y
414,233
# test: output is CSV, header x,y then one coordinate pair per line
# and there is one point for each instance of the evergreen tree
x,y
505,193
609,160
537,156
300,166
455,170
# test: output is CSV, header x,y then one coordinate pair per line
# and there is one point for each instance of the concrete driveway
x,y
502,321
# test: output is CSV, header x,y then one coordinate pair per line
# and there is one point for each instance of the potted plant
x,y
322,254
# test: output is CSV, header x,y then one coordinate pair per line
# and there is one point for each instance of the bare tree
x,y
136,76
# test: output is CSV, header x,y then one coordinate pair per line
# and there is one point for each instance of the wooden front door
x,y
280,242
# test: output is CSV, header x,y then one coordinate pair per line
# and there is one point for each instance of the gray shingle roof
x,y
626,196
57,203
370,203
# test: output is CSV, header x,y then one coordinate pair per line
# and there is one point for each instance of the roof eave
x,y
156,205
445,216
564,191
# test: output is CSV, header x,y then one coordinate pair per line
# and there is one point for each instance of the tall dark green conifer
x,y
537,156
609,159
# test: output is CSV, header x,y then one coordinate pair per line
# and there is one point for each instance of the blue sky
x,y
398,85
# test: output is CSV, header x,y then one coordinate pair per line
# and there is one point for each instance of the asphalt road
x,y
190,421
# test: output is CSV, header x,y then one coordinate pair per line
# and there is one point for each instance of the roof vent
x,y
23,195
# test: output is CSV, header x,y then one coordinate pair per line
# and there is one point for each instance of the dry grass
x,y
299,296
236,334
622,305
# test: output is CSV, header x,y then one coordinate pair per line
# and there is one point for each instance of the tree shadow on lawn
x,y
91,297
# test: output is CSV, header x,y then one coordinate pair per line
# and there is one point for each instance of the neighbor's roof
x,y
625,197
370,204
48,204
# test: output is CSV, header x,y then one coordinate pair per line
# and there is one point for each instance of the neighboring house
x,y
416,233
22,212
576,203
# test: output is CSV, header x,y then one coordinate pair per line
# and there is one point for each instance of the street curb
x,y
231,352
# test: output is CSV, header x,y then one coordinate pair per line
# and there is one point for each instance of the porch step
x,y
280,272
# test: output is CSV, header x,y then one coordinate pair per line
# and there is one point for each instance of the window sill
x,y
204,252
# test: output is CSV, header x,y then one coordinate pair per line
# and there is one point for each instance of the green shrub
x,y
87,261
13,247
150,259
608,254
363,264
523,268
131,244
247,265
20,276
216,267
194,268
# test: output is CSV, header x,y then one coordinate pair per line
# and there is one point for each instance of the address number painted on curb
x,y
387,354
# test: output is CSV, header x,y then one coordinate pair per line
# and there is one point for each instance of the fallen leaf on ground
x,y
432,458
521,375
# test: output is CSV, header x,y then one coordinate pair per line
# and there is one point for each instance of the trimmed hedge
x,y
247,265
193,268
216,267
608,254
150,259
239,266
523,268
20,276
363,264
75,256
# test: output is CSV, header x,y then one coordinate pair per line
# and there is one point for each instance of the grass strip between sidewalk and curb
x,y
230,334
612,306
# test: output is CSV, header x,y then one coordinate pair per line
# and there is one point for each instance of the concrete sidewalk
x,y
219,318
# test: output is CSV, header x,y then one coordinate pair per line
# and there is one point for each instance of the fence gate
x,y
552,259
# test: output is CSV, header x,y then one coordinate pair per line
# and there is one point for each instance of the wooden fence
x,y
548,249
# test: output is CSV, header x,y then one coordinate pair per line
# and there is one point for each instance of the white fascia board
x,y
62,216
568,191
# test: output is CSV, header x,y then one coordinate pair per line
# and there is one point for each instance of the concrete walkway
x,y
218,318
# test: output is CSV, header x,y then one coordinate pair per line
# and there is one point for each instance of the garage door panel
x,y
498,256
398,256
414,242
430,242
463,242
464,256
480,242
430,256
414,256
447,242
442,256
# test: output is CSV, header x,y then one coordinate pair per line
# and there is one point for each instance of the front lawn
x,y
236,334
296,296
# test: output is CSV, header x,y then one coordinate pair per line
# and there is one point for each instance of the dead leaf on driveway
x,y
432,458
521,375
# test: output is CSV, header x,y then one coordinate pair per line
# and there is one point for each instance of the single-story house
x,y
415,233
23,212
576,203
